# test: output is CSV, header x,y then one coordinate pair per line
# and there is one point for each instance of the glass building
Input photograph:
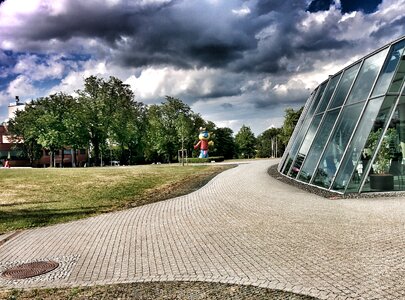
x,y
350,137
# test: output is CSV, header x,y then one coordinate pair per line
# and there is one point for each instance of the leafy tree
x,y
155,134
24,131
77,136
125,124
111,116
224,143
245,142
170,126
268,144
94,111
54,110
290,120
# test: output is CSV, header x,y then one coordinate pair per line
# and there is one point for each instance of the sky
x,y
233,61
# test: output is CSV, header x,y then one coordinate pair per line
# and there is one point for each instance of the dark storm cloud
x,y
186,37
264,7
81,20
274,102
185,34
175,33
191,34
386,29
296,97
318,43
227,105
268,38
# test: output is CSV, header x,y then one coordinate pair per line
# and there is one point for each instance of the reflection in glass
x,y
297,135
387,171
366,77
330,160
305,145
317,98
318,145
399,77
344,86
328,93
355,149
370,144
389,69
349,142
296,145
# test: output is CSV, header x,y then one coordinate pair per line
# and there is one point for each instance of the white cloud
x,y
21,86
30,66
155,83
241,12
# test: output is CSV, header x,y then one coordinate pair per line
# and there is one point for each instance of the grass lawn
x,y
40,197
156,291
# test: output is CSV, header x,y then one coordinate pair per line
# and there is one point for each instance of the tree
x,y
125,126
170,128
24,131
224,143
53,134
111,116
268,143
290,120
245,142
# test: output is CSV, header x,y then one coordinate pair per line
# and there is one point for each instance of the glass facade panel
x,y
398,80
330,160
317,147
344,86
296,145
367,75
328,93
389,68
317,98
348,142
387,170
305,145
293,140
355,149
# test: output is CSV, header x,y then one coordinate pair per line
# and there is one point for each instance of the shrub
x,y
205,160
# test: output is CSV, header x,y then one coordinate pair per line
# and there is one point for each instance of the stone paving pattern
x,y
243,227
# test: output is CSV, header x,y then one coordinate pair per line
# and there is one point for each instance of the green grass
x,y
40,197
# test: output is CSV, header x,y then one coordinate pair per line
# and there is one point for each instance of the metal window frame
x,y
402,90
300,121
323,117
336,121
299,131
326,82
360,116
368,99
395,72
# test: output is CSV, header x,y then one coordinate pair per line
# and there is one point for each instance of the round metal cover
x,y
29,270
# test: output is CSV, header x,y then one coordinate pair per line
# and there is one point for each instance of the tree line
x,y
105,119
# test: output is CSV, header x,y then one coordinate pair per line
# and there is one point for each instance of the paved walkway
x,y
243,227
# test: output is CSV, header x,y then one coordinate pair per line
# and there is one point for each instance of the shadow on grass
x,y
28,218
26,203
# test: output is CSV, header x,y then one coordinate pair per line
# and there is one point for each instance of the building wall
x,y
352,128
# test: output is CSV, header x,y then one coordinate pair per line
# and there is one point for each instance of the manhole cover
x,y
30,269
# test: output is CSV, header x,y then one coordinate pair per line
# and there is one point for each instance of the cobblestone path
x,y
243,227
